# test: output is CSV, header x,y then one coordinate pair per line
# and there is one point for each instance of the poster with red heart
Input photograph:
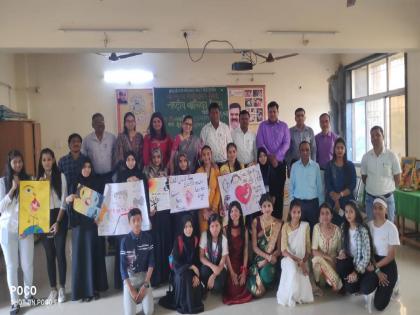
x,y
245,186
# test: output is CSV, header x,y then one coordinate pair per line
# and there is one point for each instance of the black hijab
x,y
189,244
126,173
265,169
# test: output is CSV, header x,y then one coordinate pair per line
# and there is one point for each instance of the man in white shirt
x,y
216,135
99,147
245,140
381,172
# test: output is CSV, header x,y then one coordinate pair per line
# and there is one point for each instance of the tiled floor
x,y
111,302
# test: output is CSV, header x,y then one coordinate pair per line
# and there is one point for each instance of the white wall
x,y
71,87
413,99
7,77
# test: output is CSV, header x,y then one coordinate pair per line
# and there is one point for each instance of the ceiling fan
x,y
115,57
269,58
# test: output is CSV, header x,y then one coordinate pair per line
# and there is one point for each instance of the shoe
x,y
52,298
29,300
96,296
61,295
14,309
396,291
88,299
368,301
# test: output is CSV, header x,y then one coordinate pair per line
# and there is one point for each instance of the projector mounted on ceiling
x,y
242,66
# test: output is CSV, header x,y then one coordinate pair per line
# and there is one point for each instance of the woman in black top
x,y
88,249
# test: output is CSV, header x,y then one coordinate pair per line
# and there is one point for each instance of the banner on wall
x,y
119,199
34,207
88,202
174,103
137,101
249,97
188,192
159,194
245,186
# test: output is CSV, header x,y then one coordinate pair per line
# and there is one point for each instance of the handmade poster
x,y
159,194
249,97
34,207
88,202
417,174
137,101
245,186
188,192
407,167
119,199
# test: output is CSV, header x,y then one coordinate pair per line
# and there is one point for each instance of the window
x,y
376,96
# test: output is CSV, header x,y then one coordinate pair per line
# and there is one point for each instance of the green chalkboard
x,y
175,103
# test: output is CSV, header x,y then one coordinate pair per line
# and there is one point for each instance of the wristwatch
x,y
146,285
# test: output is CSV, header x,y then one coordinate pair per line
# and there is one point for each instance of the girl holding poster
x,y
183,168
88,249
55,242
237,260
212,172
161,224
267,249
130,172
232,164
11,243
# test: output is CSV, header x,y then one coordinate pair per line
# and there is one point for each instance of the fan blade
x,y
128,55
285,56
259,55
351,3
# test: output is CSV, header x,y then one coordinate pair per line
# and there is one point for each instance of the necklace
x,y
267,236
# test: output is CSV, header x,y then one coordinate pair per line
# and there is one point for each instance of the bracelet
x,y
244,269
377,270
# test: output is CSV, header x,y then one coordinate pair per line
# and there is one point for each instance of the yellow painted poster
x,y
34,207
137,101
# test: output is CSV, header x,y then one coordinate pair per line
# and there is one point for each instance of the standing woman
x,y
356,254
326,244
385,240
11,243
88,249
183,168
188,144
295,286
161,224
129,172
340,180
266,243
129,140
55,242
237,260
157,138
212,172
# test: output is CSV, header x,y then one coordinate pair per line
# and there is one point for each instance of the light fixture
x,y
296,32
103,30
133,76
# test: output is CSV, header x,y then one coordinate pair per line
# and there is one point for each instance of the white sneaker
x,y
61,295
52,298
369,301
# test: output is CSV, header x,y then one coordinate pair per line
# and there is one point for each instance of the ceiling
x,y
369,26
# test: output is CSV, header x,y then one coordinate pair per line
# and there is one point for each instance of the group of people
x,y
323,242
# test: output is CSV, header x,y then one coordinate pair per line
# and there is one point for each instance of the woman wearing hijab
x,y
161,224
88,249
186,281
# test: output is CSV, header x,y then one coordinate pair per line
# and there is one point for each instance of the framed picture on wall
x,y
407,167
